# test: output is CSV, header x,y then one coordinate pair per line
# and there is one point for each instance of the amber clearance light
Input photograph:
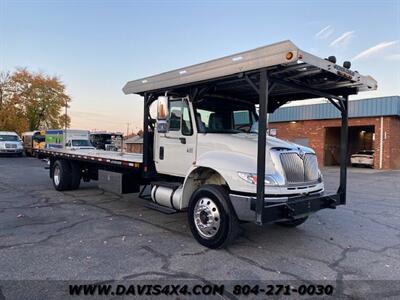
x,y
289,55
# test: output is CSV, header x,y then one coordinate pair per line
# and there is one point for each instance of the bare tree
x,y
5,80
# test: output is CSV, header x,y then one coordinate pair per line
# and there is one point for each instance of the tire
x,y
62,175
292,223
76,176
212,202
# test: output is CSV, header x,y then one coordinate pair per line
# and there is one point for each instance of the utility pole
x,y
127,129
66,115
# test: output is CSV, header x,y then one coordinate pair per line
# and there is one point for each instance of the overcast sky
x,y
97,46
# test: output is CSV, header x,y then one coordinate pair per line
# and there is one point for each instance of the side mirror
x,y
162,114
162,108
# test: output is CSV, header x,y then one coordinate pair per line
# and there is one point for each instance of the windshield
x,y
9,138
39,138
222,116
81,143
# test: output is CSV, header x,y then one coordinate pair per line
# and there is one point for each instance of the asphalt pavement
x,y
89,234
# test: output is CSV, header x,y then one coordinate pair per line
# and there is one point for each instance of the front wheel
x,y
211,217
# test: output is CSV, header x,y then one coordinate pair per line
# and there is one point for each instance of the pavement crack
x,y
258,265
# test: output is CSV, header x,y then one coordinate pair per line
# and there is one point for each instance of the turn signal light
x,y
289,55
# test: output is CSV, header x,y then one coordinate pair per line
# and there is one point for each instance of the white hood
x,y
244,143
229,154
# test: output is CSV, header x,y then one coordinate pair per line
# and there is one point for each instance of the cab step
x,y
160,208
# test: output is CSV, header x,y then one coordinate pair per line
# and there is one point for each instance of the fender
x,y
215,167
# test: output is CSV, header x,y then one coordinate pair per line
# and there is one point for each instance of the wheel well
x,y
198,177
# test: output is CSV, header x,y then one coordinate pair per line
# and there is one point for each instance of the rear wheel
x,y
62,175
292,223
211,217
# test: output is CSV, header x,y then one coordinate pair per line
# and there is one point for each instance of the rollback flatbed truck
x,y
201,152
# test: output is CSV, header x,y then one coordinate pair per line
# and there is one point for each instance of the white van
x,y
10,143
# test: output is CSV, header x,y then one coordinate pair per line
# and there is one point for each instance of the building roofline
x,y
369,107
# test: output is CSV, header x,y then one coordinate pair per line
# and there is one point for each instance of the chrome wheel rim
x,y
206,218
56,175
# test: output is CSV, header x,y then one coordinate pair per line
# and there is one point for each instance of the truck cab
x,y
215,139
219,135
78,144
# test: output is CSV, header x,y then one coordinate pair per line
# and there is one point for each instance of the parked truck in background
x,y
202,154
33,140
110,141
72,139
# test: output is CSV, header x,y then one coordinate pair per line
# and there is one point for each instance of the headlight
x,y
320,177
252,178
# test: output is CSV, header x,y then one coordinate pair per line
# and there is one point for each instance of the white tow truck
x,y
201,154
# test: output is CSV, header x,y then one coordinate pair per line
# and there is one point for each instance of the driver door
x,y
175,152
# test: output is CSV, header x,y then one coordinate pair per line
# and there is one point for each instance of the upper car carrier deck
x,y
112,158
284,62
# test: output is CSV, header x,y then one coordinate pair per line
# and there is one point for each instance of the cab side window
x,y
175,115
186,121
179,119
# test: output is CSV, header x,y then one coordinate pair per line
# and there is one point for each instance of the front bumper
x,y
293,208
11,150
361,161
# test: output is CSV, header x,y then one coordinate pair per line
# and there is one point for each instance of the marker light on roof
x,y
144,81
237,58
289,55
182,72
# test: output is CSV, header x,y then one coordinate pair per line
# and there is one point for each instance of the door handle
x,y
183,140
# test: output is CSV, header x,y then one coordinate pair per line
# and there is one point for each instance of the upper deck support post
x,y
344,141
146,138
262,139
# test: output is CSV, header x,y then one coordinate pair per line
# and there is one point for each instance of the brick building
x,y
134,144
374,124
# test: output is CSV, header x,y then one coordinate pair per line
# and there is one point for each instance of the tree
x,y
12,117
30,101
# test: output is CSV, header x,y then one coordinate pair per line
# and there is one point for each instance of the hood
x,y
246,143
11,142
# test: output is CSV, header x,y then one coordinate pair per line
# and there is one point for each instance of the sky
x,y
95,47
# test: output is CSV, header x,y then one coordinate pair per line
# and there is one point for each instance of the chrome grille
x,y
310,167
293,166
299,170
11,146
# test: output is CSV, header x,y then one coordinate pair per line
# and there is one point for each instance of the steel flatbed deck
x,y
111,158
